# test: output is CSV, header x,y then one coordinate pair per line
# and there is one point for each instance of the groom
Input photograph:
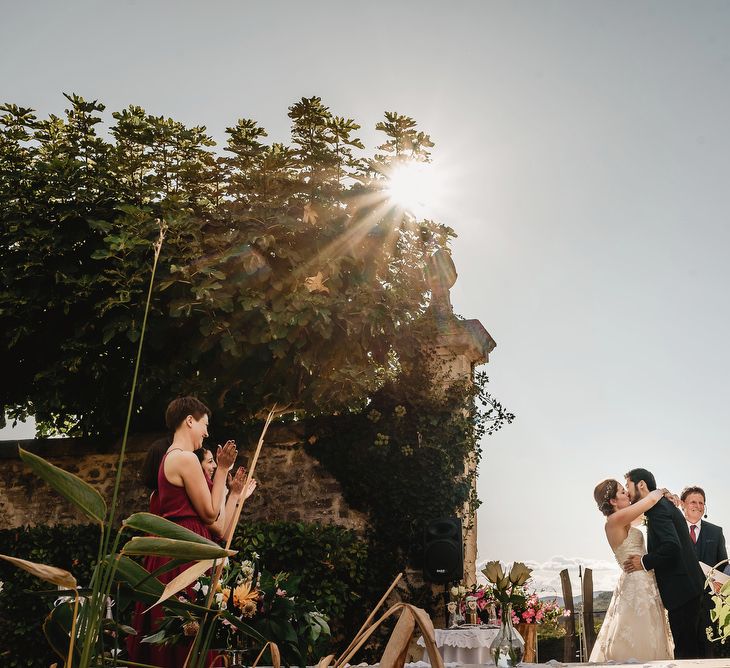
x,y
671,555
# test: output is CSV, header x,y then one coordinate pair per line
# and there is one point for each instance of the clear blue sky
x,y
585,148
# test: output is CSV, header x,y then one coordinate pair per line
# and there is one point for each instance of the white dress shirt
x,y
698,527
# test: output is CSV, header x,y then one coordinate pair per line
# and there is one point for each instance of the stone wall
x,y
292,485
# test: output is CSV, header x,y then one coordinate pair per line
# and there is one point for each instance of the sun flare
x,y
415,187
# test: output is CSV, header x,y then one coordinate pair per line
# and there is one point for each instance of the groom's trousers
x,y
685,623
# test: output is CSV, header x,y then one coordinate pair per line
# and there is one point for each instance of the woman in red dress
x,y
186,498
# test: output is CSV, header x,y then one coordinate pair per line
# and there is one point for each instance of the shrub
x,y
331,560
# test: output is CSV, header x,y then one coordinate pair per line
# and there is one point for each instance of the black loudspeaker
x,y
443,554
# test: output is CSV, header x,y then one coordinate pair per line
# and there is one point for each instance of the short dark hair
x,y
693,490
178,409
637,475
151,465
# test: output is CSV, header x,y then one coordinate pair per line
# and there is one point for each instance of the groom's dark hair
x,y
637,475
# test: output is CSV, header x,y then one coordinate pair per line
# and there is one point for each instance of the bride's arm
x,y
629,514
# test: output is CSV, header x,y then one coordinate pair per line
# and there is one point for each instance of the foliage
x,y
331,560
551,643
720,613
270,604
286,274
402,460
77,625
22,608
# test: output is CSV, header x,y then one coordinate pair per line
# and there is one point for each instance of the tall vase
x,y
508,648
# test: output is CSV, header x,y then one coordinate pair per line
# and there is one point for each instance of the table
x,y
466,645
672,663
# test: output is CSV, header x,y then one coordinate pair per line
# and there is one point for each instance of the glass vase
x,y
508,648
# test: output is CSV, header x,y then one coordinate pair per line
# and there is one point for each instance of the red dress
x,y
173,504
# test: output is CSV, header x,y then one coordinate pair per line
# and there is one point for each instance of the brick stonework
x,y
292,485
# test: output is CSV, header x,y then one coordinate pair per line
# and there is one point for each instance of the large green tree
x,y
286,274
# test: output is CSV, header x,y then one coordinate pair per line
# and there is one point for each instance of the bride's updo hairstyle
x,y
604,492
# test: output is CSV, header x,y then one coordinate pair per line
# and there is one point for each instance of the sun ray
x,y
414,186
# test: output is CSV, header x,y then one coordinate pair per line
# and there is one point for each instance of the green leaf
x,y
57,629
113,625
243,627
159,526
179,549
71,487
138,577
155,638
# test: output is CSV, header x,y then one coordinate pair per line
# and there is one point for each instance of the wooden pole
x,y
569,642
588,625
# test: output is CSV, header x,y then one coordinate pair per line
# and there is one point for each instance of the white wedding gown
x,y
636,625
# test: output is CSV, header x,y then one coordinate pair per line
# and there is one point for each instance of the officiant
x,y
709,543
708,538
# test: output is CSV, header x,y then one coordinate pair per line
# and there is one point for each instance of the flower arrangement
x,y
507,587
482,595
536,611
252,605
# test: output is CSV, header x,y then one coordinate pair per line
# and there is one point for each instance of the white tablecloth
x,y
465,645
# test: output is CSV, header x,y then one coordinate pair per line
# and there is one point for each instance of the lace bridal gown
x,y
636,625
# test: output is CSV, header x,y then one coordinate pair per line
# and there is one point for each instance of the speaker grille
x,y
443,557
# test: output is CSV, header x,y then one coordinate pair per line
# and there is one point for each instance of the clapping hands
x,y
236,483
227,456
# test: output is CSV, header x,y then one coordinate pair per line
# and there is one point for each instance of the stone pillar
x,y
459,346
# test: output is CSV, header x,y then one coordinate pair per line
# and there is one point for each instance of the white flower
x,y
204,590
454,591
196,586
462,590
1,586
219,598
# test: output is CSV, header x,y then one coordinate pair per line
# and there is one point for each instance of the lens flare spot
x,y
415,187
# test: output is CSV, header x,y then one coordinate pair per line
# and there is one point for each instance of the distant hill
x,y
601,599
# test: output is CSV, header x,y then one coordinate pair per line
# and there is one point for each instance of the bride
x,y
635,626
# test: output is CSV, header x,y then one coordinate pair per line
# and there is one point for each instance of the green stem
x,y
103,579
130,406
88,613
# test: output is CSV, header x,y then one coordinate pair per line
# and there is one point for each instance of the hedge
x,y
332,561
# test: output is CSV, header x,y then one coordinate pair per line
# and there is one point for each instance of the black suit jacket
x,y
671,555
710,546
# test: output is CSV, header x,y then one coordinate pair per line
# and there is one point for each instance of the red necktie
x,y
693,532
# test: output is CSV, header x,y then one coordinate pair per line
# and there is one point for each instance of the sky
x,y
583,149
